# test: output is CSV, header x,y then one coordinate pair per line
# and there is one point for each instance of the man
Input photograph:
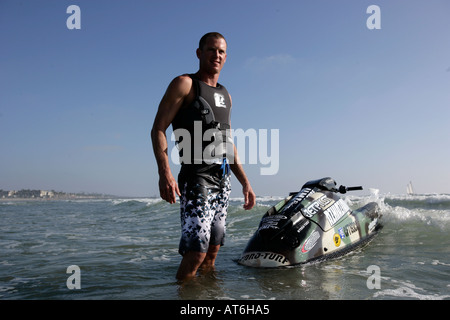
x,y
203,184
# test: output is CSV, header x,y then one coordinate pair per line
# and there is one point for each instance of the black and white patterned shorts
x,y
203,213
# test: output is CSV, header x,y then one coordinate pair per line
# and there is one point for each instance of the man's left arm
x,y
247,190
238,170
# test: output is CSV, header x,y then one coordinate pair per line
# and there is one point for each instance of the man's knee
x,y
211,255
194,257
189,264
213,250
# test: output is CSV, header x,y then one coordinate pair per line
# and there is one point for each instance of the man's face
x,y
213,55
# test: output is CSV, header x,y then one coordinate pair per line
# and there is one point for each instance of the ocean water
x,y
128,249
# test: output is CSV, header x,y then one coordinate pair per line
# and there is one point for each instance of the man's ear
x,y
198,52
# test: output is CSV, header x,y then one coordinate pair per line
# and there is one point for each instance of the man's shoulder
x,y
181,85
182,80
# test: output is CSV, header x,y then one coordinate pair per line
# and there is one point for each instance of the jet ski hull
x,y
313,225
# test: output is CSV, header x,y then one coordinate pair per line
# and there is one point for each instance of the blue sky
x,y
366,107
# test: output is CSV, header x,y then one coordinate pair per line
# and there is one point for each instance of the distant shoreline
x,y
18,199
40,195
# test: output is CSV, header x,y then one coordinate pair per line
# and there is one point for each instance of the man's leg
x,y
189,264
195,229
210,258
193,260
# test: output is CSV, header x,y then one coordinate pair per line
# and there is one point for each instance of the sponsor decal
x,y
341,233
303,226
295,202
336,211
271,222
265,256
311,241
350,228
337,239
320,204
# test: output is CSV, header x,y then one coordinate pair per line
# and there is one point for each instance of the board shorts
x,y
203,209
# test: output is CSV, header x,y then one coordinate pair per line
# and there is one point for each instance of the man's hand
x,y
249,197
168,188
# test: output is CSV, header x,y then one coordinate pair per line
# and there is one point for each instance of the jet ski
x,y
313,224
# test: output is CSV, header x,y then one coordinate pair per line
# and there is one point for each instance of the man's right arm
x,y
175,97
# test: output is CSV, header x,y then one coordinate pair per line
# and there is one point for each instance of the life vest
x,y
210,110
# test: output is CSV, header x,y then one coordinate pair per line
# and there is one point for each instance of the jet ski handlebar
x,y
328,184
343,189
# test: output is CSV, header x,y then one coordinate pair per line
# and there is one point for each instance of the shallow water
x,y
128,249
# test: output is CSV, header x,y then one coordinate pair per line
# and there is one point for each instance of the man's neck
x,y
209,79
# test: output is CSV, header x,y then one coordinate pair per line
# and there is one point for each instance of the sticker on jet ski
x,y
336,211
311,241
270,259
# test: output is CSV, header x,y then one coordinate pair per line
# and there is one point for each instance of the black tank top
x,y
204,137
202,160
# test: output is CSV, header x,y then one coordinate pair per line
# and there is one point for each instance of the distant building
x,y
46,194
